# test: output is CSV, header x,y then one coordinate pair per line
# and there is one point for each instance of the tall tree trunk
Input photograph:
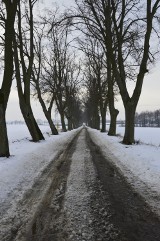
x,y
11,7
129,124
25,106
130,103
112,128
64,129
70,123
113,112
30,121
75,125
26,109
50,121
4,146
95,117
52,126
103,116
47,113
97,122
103,110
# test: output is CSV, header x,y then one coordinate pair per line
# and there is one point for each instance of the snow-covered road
x,y
75,207
79,194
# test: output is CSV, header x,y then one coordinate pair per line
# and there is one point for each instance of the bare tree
x,y
91,101
7,20
72,87
45,96
90,19
24,57
97,72
61,70
125,27
132,34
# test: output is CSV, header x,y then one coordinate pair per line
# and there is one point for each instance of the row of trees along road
x,y
125,30
43,65
39,53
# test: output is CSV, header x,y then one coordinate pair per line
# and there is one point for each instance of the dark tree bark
x,y
37,76
61,70
112,24
113,111
24,93
25,106
11,7
113,121
30,121
103,116
47,112
130,103
64,129
129,124
70,124
96,82
97,122
4,146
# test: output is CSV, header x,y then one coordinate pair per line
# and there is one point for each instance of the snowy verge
x,y
146,135
140,164
19,172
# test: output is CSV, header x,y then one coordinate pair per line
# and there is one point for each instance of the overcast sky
x,y
149,100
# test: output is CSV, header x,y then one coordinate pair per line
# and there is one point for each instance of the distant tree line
x,y
148,119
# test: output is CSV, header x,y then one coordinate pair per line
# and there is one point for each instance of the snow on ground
x,y
139,163
147,135
19,172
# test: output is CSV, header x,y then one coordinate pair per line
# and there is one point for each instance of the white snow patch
x,y
19,172
147,135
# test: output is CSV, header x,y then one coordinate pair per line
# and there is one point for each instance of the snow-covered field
x,y
147,135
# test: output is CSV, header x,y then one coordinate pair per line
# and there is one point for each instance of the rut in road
x,y
89,200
